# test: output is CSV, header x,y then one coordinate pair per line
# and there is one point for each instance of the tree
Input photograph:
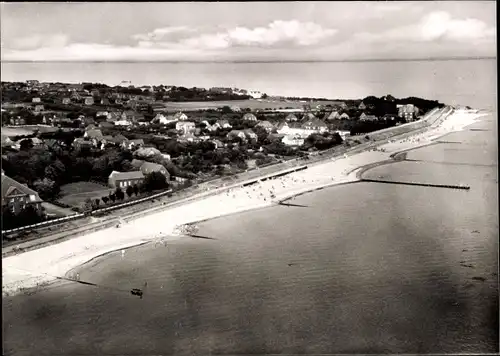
x,y
29,216
155,181
129,191
26,144
88,205
119,194
97,201
112,196
105,200
46,188
136,189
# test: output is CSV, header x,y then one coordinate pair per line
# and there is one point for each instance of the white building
x,y
292,140
255,94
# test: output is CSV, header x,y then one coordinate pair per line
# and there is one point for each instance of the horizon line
x,y
262,61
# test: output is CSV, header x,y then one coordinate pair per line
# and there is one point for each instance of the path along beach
x,y
39,267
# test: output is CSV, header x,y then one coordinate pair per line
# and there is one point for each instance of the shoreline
x,y
56,260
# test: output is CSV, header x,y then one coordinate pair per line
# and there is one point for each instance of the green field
x,y
26,130
242,104
75,194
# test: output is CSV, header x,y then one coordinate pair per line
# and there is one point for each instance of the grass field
x,y
242,104
75,194
26,130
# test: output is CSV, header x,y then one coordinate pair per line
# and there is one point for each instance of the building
x,y
224,124
266,125
80,143
133,144
235,108
104,101
236,133
255,94
343,134
89,100
39,108
185,127
66,101
179,117
36,100
17,196
292,140
334,115
148,167
344,116
249,117
291,118
93,133
124,179
362,106
365,117
409,112
315,125
123,123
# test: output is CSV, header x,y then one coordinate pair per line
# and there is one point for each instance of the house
x,y
249,117
255,94
104,101
113,116
250,135
36,100
137,163
89,100
343,134
75,96
66,101
118,140
389,117
224,124
39,108
133,144
179,117
315,125
94,133
102,113
17,196
148,167
266,125
334,115
291,118
106,125
124,179
188,137
162,119
235,108
185,126
344,116
236,133
308,117
37,142
365,117
409,111
362,106
292,140
81,142
217,143
94,92
122,123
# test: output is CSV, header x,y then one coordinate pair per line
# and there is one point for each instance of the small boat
x,y
137,292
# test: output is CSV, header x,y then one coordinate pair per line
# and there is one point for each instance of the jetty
x,y
449,186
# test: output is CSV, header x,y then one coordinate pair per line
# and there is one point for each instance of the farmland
x,y
260,104
26,130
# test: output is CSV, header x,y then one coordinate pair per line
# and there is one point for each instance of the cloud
x,y
277,33
38,41
160,33
436,26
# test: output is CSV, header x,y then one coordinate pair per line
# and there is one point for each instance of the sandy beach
x,y
42,266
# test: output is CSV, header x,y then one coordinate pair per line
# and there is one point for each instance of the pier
x,y
449,186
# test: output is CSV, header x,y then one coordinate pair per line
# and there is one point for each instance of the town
x,y
75,147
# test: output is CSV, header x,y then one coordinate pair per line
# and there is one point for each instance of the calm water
x,y
364,268
465,82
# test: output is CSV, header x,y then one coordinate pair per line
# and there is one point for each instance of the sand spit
x,y
40,267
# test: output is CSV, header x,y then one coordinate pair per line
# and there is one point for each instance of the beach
x,y
42,266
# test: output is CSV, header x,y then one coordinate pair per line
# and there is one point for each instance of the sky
x,y
247,31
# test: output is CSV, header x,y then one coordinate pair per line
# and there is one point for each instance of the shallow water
x,y
362,268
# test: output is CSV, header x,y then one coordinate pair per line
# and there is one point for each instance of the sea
x,y
362,268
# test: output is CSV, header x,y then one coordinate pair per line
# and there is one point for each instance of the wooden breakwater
x,y
448,186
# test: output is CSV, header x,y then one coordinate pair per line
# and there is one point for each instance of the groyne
x,y
449,186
